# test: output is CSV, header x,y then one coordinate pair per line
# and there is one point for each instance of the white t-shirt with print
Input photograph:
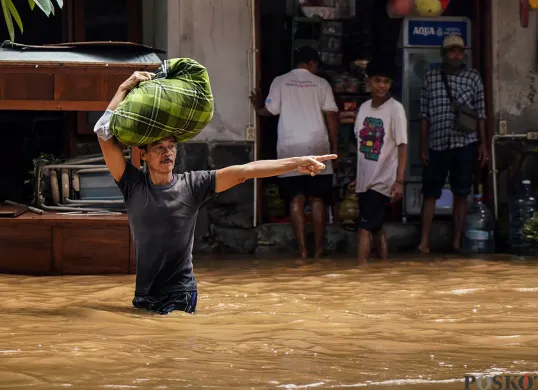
x,y
300,98
379,131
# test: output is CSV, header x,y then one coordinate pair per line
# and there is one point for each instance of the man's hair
x,y
381,69
145,147
305,54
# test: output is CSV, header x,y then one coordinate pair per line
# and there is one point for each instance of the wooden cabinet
x,y
81,248
66,245
25,248
43,84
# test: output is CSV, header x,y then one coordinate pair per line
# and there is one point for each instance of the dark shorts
x,y
320,186
459,163
165,304
371,210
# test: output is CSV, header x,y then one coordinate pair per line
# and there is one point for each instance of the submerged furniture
x,y
79,185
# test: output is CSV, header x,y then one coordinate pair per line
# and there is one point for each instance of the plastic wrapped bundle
x,y
178,102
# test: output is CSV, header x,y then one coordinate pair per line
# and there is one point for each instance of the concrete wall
x,y
217,33
515,80
155,25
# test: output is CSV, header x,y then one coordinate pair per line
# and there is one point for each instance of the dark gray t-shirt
x,y
162,221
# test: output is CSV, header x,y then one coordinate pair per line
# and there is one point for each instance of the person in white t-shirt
x,y
305,103
381,131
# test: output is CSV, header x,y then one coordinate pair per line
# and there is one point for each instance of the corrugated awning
x,y
78,76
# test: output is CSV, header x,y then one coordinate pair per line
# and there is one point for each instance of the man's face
x,y
380,86
455,55
161,155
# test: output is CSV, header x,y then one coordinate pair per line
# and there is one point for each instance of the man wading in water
x,y
162,208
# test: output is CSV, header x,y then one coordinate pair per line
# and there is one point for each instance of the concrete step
x,y
279,237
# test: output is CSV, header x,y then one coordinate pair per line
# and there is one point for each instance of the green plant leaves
x,y
6,9
15,14
11,13
45,6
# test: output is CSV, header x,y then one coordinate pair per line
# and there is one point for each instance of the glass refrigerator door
x,y
417,62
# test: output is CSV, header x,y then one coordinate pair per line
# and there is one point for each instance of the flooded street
x,y
267,324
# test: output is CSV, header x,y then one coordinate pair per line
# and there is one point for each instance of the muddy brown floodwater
x,y
266,324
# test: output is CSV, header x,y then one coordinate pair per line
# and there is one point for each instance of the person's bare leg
x,y
458,215
319,220
363,251
428,211
298,223
381,244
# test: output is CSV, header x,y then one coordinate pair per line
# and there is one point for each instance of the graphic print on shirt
x,y
372,137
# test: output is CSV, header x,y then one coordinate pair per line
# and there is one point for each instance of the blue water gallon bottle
x,y
479,236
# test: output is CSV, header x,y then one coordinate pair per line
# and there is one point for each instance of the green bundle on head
x,y
177,103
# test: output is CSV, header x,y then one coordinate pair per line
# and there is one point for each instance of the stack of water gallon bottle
x,y
521,209
479,236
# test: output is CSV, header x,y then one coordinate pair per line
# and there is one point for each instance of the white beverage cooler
x,y
422,42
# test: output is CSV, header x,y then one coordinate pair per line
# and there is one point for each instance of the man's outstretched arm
x,y
112,152
229,177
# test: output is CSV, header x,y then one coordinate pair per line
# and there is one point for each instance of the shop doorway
x,y
345,45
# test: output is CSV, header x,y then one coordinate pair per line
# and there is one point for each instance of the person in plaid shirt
x,y
444,148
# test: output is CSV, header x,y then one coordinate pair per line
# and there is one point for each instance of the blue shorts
x,y
459,163
165,304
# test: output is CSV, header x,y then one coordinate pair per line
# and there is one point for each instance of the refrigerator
x,y
422,39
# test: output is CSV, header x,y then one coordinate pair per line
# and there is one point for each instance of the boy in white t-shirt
x,y
381,131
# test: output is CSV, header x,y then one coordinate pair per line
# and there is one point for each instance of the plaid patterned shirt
x,y
467,89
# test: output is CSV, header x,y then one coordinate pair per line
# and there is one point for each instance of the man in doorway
x,y
444,148
303,100
162,208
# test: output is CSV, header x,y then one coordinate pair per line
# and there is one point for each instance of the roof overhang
x,y
69,77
